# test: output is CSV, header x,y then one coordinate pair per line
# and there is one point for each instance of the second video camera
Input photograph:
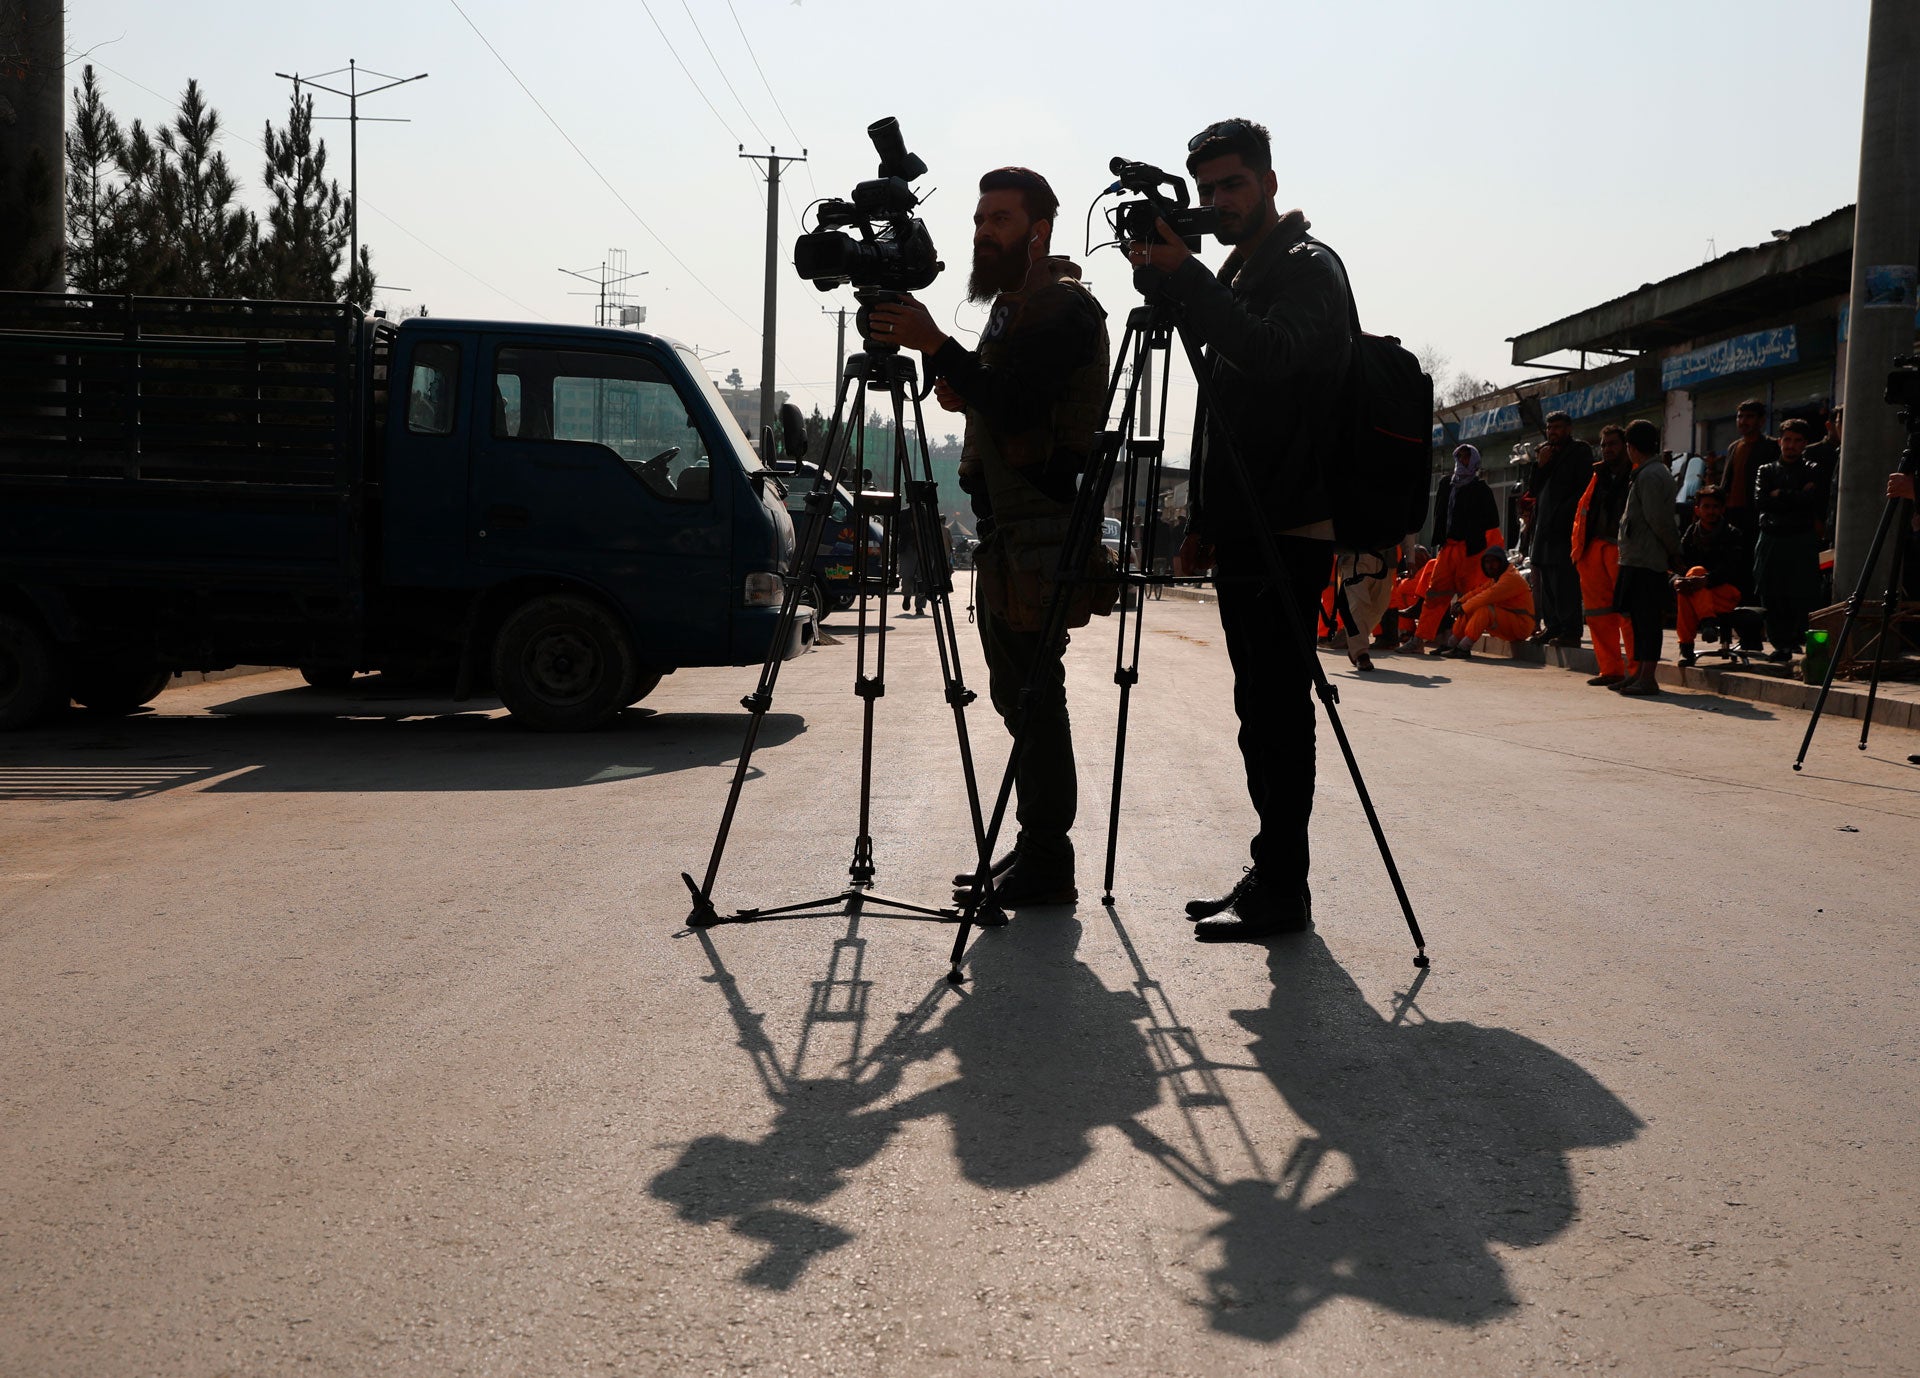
x,y
1133,221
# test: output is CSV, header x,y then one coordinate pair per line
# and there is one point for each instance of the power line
x,y
172,104
591,167
701,35
698,89
755,57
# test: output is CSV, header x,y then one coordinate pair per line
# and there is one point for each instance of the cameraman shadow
x,y
1429,1142
1046,1056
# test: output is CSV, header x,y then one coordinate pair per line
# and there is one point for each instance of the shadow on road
x,y
322,751
1427,1143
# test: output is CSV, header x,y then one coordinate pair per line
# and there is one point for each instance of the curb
x,y
182,678
1897,706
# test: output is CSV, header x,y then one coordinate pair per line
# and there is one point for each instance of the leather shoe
x,y
1607,681
1206,909
1258,915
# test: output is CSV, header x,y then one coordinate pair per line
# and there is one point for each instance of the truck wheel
x,y
329,677
563,664
115,690
644,683
29,686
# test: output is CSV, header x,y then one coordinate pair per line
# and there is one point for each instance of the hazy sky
x,y
1483,168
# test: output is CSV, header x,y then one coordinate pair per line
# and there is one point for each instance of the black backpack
x,y
1384,423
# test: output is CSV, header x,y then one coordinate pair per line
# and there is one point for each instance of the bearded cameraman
x,y
1034,395
1274,323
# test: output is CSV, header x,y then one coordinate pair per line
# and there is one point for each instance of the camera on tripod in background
x,y
1903,383
1133,221
893,252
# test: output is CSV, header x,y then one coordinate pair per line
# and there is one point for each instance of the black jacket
x,y
1474,513
1277,342
1790,498
1556,491
1724,553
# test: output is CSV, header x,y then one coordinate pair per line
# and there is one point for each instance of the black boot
x,y
1003,864
1206,909
1022,885
1259,914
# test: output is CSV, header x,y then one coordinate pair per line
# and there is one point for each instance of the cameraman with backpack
x,y
1275,325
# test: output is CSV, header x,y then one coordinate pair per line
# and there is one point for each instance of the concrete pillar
x,y
33,117
1676,429
1886,239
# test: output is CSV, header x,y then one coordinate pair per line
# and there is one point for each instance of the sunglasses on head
x,y
1225,129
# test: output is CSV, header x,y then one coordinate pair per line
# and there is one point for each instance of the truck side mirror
x,y
793,431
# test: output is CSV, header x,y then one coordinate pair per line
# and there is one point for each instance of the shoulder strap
x,y
1353,310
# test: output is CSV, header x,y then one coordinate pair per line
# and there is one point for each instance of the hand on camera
x,y
944,394
1900,485
1163,257
908,324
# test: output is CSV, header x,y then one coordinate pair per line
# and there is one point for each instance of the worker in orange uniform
x,y
1502,606
1466,520
1596,553
1719,564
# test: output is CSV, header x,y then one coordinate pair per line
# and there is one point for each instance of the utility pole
x,y
353,95
33,226
839,343
602,279
773,161
1880,318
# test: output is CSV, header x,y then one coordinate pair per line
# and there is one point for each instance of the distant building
x,y
744,403
1767,322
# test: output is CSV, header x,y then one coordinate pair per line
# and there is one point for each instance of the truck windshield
x,y
749,457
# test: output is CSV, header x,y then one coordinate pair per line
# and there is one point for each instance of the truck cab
x,y
567,513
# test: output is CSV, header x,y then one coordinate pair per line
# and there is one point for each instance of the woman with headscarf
x,y
1466,520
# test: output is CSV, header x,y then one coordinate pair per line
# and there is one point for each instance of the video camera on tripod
x,y
1903,383
1133,221
893,252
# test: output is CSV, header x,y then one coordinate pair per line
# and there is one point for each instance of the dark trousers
x,y
1273,692
1561,612
1644,597
1786,575
1046,788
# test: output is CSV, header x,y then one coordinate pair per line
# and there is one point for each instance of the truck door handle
x,y
499,517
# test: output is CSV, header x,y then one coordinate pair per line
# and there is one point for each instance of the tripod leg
x,y
1846,625
1083,527
1300,632
757,703
1887,607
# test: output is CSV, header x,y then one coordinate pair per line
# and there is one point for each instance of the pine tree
x,y
215,239
96,200
298,257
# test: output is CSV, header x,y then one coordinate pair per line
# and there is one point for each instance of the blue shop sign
x,y
1493,422
1741,354
1616,391
1439,434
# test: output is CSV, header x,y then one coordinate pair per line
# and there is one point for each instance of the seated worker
x,y
1719,572
1403,603
1466,520
1502,606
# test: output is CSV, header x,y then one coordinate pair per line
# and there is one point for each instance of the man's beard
x,y
996,270
1255,222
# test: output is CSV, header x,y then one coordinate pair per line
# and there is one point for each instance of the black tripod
x,y
1890,516
911,494
1149,332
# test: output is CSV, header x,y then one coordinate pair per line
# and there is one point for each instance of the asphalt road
x,y
361,1034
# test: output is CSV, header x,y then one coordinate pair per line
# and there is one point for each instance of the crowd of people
x,y
1616,552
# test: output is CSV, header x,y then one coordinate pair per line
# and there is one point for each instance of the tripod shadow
x,y
824,1126
1429,1142
1047,1056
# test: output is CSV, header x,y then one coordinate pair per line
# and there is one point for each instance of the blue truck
x,y
563,514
